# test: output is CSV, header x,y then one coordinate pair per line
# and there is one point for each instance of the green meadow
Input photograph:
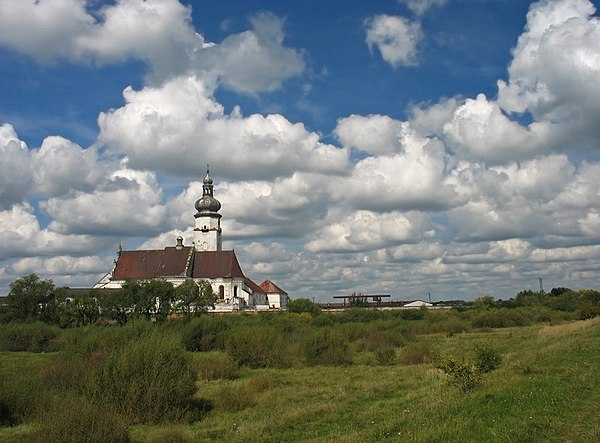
x,y
361,375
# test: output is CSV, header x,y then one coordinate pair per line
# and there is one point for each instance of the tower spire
x,y
207,233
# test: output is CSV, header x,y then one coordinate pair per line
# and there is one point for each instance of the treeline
x,y
32,299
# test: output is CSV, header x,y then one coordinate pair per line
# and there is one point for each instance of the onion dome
x,y
207,203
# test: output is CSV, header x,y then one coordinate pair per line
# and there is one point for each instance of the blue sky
x,y
401,147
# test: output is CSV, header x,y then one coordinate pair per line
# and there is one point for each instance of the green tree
x,y
304,305
29,298
485,302
115,305
83,308
155,299
193,299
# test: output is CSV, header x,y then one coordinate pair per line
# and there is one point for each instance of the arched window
x,y
221,292
235,291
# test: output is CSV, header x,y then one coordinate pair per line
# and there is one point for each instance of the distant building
x,y
204,259
277,297
418,304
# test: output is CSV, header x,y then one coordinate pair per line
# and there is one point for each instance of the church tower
x,y
207,233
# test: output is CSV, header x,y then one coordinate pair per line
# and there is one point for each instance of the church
x,y
205,259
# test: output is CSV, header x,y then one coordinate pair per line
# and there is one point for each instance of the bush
x,y
461,374
326,348
207,333
303,305
21,396
259,347
216,365
386,355
234,398
31,337
150,380
417,354
486,358
76,419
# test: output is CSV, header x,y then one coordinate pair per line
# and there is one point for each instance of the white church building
x,y
203,260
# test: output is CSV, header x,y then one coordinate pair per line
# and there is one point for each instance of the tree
x,y
304,305
84,308
115,305
485,302
29,297
193,299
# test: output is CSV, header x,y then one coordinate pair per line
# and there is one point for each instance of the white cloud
x,y
59,265
15,162
420,7
57,168
127,203
555,73
44,29
365,230
21,235
159,32
414,178
253,60
395,37
178,128
480,131
374,134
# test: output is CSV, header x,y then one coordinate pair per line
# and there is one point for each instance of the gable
x,y
271,288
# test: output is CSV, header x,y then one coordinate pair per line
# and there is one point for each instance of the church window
x,y
221,292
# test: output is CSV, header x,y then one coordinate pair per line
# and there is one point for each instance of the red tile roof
x,y
169,262
214,264
253,286
271,288
184,262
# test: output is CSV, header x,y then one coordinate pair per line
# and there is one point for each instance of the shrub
x,y
76,419
259,347
326,348
379,339
31,337
216,365
207,333
417,353
461,374
486,358
303,305
150,380
322,320
386,355
21,396
234,398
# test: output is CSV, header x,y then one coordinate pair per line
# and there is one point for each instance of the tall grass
x,y
149,381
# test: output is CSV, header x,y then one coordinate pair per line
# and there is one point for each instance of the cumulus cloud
x,y
22,235
420,7
395,37
15,161
374,134
57,168
254,60
554,74
365,230
158,32
414,178
178,128
480,131
127,203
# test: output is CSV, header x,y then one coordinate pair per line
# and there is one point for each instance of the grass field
x,y
546,389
